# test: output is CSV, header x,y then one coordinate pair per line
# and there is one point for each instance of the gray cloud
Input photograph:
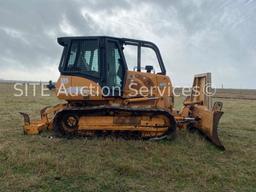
x,y
194,36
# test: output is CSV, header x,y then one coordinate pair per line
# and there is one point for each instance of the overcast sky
x,y
193,36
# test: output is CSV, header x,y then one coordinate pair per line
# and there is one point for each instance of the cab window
x,y
141,58
72,56
115,69
83,57
149,58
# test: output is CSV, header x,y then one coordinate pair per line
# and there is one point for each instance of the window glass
x,y
62,64
72,55
88,56
148,57
130,53
84,57
115,68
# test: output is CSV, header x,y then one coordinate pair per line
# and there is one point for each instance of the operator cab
x,y
106,60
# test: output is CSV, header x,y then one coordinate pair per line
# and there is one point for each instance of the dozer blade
x,y
45,122
32,127
26,118
199,106
207,123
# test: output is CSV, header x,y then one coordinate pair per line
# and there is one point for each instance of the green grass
x,y
189,163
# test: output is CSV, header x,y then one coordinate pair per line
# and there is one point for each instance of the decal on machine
x,y
64,80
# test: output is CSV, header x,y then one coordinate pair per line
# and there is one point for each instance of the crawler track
x,y
122,121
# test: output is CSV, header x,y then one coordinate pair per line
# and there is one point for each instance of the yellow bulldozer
x,y
107,94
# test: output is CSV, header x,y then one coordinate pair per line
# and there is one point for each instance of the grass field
x,y
189,163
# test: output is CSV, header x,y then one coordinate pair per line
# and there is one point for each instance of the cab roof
x,y
62,40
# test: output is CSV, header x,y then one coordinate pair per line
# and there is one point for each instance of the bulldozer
x,y
105,93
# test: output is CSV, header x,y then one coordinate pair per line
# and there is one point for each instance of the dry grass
x,y
189,163
236,93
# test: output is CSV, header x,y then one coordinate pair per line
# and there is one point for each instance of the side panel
x,y
77,88
164,89
148,85
137,84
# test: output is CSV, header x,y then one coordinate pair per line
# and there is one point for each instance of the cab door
x,y
115,68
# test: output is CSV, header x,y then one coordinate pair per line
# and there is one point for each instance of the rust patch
x,y
146,80
126,120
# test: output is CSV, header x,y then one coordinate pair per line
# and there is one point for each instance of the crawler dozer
x,y
107,93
